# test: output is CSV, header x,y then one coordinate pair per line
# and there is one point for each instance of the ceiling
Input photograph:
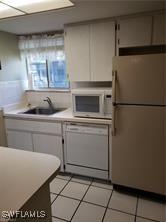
x,y
82,11
11,8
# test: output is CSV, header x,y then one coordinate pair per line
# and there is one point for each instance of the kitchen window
x,y
45,59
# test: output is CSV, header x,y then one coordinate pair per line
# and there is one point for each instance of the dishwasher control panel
x,y
88,129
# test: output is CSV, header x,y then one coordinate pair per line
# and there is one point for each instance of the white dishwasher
x,y
86,150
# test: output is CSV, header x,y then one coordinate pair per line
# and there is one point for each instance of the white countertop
x,y
22,173
65,115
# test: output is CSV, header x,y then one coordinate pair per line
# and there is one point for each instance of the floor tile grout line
x,y
132,214
81,200
93,204
91,179
141,216
90,185
60,219
69,197
90,202
54,199
148,219
107,206
136,209
62,179
102,187
61,190
121,211
80,182
72,198
65,186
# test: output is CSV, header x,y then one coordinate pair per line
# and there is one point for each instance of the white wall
x,y
12,92
13,71
12,65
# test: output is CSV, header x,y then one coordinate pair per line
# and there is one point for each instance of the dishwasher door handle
x,y
72,129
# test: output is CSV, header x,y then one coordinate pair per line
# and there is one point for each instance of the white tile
x,y
123,202
139,219
12,92
88,213
64,208
116,216
64,176
61,99
150,209
82,179
98,196
75,190
53,196
102,184
57,185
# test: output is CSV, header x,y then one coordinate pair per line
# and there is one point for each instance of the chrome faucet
x,y
51,106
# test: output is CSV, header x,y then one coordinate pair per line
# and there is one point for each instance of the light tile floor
x,y
82,199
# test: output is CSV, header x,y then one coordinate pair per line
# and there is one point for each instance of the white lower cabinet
x,y
86,149
19,140
37,136
50,144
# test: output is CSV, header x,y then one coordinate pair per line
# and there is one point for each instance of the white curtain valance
x,y
42,46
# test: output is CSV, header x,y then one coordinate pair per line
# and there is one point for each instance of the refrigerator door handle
x,y
114,74
113,119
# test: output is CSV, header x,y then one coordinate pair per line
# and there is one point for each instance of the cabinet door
x,y
77,52
159,27
135,32
49,144
102,50
19,140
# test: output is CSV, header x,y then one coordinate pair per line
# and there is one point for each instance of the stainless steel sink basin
x,y
42,111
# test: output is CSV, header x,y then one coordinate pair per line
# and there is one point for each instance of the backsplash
x,y
12,92
59,99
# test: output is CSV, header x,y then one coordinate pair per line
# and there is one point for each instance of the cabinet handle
x,y
113,120
114,73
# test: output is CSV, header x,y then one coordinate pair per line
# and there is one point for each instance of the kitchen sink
x,y
42,111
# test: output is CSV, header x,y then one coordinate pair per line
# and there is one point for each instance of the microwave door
x,y
88,105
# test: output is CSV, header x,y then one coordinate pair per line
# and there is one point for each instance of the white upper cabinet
x,y
89,51
134,31
159,29
77,52
102,50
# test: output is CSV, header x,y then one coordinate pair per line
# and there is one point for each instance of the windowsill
x,y
48,90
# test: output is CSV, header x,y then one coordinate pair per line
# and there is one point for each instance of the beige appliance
x,y
138,122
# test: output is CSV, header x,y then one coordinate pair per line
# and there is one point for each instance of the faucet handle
x,y
48,98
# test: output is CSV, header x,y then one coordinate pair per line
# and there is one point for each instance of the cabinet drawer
x,y
34,126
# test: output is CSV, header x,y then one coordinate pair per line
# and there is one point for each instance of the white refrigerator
x,y
139,122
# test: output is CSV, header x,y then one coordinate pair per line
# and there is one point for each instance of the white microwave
x,y
92,102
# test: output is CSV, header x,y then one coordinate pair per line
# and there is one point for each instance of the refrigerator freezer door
x,y
138,148
140,79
